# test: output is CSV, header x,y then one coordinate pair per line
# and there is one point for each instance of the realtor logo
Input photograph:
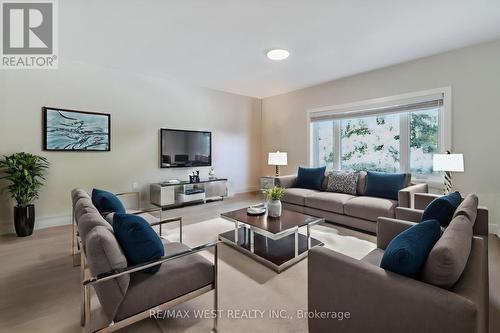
x,y
29,34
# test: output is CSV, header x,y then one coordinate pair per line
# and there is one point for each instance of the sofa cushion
x,y
468,208
104,255
407,252
362,182
297,196
84,211
324,185
448,257
83,202
175,278
473,284
442,208
384,184
329,201
83,206
374,257
109,218
370,208
147,216
139,241
310,178
89,221
360,187
342,182
77,194
107,202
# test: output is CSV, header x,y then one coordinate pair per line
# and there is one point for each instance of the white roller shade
x,y
394,106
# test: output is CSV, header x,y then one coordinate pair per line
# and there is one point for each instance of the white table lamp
x,y
277,158
448,163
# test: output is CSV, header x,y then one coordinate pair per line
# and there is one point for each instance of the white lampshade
x,y
448,162
277,158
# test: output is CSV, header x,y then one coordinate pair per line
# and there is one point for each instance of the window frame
x,y
358,109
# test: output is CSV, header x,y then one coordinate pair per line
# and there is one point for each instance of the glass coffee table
x,y
274,241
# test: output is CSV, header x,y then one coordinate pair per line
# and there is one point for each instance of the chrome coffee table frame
x,y
247,244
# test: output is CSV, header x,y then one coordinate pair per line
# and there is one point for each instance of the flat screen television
x,y
183,148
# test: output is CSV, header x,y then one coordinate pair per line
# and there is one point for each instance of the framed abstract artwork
x,y
70,130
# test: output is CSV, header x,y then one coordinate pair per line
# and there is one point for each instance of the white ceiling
x,y
221,44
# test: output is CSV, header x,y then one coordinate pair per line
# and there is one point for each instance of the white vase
x,y
274,208
211,173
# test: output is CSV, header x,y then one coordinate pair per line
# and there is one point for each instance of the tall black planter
x,y
24,220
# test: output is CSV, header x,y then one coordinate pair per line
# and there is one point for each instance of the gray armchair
x,y
421,200
381,301
126,293
82,207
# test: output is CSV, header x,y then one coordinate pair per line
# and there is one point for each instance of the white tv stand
x,y
171,194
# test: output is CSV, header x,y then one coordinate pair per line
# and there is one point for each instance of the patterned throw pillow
x,y
342,182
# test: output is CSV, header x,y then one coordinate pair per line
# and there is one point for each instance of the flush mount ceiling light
x,y
277,54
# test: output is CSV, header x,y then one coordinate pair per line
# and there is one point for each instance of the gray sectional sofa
x,y
380,301
356,211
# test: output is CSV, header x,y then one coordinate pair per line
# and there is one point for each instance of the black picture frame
x,y
46,147
182,130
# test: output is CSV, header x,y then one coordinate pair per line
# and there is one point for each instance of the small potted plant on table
x,y
25,172
274,195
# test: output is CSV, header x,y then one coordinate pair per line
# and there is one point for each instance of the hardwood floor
x,y
39,287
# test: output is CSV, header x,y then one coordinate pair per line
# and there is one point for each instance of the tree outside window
x,y
323,140
370,143
424,140
374,142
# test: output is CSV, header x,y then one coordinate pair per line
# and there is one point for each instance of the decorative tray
x,y
259,209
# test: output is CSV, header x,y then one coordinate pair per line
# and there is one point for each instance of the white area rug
x,y
203,232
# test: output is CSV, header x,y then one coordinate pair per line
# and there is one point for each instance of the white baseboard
x,y
249,189
58,220
41,223
52,221
494,229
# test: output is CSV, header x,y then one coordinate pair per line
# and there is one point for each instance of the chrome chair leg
x,y
180,231
216,287
73,233
82,292
93,280
88,327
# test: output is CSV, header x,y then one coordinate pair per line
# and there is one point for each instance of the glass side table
x,y
267,182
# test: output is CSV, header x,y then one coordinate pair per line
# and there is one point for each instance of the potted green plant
x,y
274,195
25,173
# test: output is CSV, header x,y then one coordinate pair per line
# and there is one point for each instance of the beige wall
x,y
474,75
139,106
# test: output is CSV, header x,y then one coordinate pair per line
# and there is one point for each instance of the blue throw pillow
x,y
107,202
311,178
384,184
407,252
442,208
140,243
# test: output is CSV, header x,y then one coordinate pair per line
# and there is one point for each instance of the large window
x,y
323,143
399,138
424,140
370,143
